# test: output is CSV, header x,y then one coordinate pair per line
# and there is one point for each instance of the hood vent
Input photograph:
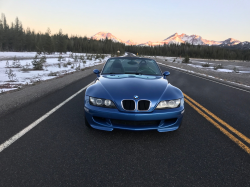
x,y
128,104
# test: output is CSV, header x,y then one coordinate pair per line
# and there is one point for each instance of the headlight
x,y
169,104
101,102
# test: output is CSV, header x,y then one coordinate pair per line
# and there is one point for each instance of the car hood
x,y
119,87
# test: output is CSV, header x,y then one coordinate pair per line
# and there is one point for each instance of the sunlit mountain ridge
x,y
175,39
104,35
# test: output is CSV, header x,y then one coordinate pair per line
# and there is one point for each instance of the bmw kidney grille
x,y
142,105
128,104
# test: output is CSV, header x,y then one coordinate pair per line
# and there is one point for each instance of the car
x,y
132,93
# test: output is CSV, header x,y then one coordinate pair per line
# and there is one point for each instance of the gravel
x,y
18,98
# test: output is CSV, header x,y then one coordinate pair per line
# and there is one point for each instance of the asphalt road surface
x,y
210,149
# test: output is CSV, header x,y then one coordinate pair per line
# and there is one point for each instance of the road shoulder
x,y
219,77
11,101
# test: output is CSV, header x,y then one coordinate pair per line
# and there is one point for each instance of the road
x,y
61,151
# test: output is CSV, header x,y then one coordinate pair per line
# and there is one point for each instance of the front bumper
x,y
101,118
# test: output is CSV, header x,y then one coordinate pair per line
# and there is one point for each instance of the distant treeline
x,y
15,38
193,51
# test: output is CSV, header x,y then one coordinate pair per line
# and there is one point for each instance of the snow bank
x,y
24,74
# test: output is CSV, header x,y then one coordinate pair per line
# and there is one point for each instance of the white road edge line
x,y
202,77
35,123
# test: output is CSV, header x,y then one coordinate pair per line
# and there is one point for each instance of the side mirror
x,y
97,72
166,73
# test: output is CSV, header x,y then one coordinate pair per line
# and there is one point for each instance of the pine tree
x,y
15,38
48,46
186,60
1,35
38,63
61,42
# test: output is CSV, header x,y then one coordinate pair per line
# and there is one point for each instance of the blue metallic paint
x,y
123,86
165,74
97,72
107,113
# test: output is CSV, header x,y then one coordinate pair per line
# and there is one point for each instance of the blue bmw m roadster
x,y
132,93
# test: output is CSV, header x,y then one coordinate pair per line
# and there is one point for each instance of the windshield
x,y
131,66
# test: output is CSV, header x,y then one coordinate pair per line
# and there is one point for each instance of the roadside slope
x,y
13,100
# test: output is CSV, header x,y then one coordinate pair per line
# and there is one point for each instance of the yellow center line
x,y
224,131
220,120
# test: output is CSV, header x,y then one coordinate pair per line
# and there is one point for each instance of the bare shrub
x,y
206,65
236,70
218,66
11,75
60,58
52,74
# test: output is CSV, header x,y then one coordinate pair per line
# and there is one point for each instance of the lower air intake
x,y
129,123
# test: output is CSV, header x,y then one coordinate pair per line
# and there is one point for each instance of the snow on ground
x,y
4,55
205,75
14,74
198,64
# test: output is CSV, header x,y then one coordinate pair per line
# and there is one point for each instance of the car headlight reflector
x,y
98,101
101,102
92,100
107,102
169,104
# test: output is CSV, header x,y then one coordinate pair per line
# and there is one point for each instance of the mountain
x,y
192,39
183,38
235,45
104,35
230,41
198,40
130,42
178,39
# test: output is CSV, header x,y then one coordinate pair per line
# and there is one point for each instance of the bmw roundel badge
x,y
136,97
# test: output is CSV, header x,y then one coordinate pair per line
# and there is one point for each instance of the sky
x,y
137,20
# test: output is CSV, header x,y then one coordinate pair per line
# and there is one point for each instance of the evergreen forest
x,y
192,51
14,37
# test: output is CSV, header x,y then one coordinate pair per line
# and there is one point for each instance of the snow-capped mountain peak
x,y
176,39
104,35
184,38
130,42
230,41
